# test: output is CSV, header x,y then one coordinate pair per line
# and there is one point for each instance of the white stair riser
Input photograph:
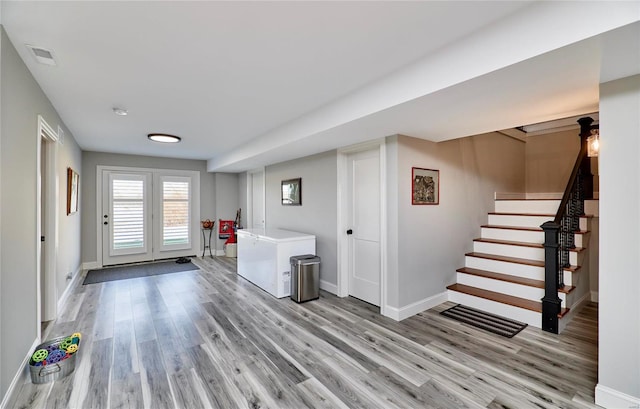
x,y
531,253
585,223
519,314
512,235
504,267
517,220
569,278
535,237
527,206
515,269
581,240
504,287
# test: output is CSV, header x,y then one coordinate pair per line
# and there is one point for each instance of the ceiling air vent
x,y
42,55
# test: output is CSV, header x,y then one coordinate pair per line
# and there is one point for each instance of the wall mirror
x,y
292,192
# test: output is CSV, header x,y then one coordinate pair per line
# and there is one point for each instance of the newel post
x,y
551,302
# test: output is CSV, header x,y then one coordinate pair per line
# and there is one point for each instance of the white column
x,y
619,297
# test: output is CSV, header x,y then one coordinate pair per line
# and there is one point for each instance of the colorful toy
x,y
59,350
55,356
64,344
40,355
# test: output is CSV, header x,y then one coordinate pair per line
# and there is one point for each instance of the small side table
x,y
206,241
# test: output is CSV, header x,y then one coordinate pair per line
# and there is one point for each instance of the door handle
x,y
349,232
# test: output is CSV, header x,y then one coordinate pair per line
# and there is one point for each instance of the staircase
x,y
504,274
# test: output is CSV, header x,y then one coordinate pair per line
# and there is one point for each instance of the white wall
x,y
549,160
619,308
318,212
227,201
18,241
90,161
69,258
433,239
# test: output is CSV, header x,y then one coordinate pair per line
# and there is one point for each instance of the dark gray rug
x,y
483,320
135,271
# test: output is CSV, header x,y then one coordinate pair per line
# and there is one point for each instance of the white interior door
x,y
126,217
364,222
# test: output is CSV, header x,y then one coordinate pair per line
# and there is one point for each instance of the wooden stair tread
x,y
502,298
525,200
510,278
521,244
521,214
525,261
588,216
523,228
510,243
497,226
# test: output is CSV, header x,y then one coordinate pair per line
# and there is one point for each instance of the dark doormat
x,y
483,320
135,271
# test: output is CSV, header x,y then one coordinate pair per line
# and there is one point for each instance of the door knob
x,y
105,223
349,231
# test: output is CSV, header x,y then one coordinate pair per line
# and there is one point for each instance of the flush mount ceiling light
x,y
164,138
120,111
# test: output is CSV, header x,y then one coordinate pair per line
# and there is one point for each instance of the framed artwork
x,y
292,192
73,180
425,186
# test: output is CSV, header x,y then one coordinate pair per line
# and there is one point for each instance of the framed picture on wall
x,y
425,186
292,192
72,191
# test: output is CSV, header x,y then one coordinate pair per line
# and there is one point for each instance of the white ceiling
x,y
250,83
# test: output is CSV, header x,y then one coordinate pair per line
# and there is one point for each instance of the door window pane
x,y
175,212
128,214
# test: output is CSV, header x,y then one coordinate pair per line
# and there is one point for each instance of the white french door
x,y
149,215
126,217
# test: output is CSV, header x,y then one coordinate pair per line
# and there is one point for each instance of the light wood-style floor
x,y
210,339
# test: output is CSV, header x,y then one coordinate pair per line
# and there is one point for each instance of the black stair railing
x,y
559,234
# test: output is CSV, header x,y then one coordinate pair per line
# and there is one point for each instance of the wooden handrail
x,y
572,180
585,133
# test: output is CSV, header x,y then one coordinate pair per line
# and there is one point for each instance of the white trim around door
x,y
47,295
160,247
343,218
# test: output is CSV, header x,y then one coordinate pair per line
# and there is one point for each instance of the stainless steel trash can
x,y
305,277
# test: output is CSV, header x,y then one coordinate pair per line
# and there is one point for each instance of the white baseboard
x,y
407,311
329,287
21,374
67,291
611,398
91,265
594,296
218,253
